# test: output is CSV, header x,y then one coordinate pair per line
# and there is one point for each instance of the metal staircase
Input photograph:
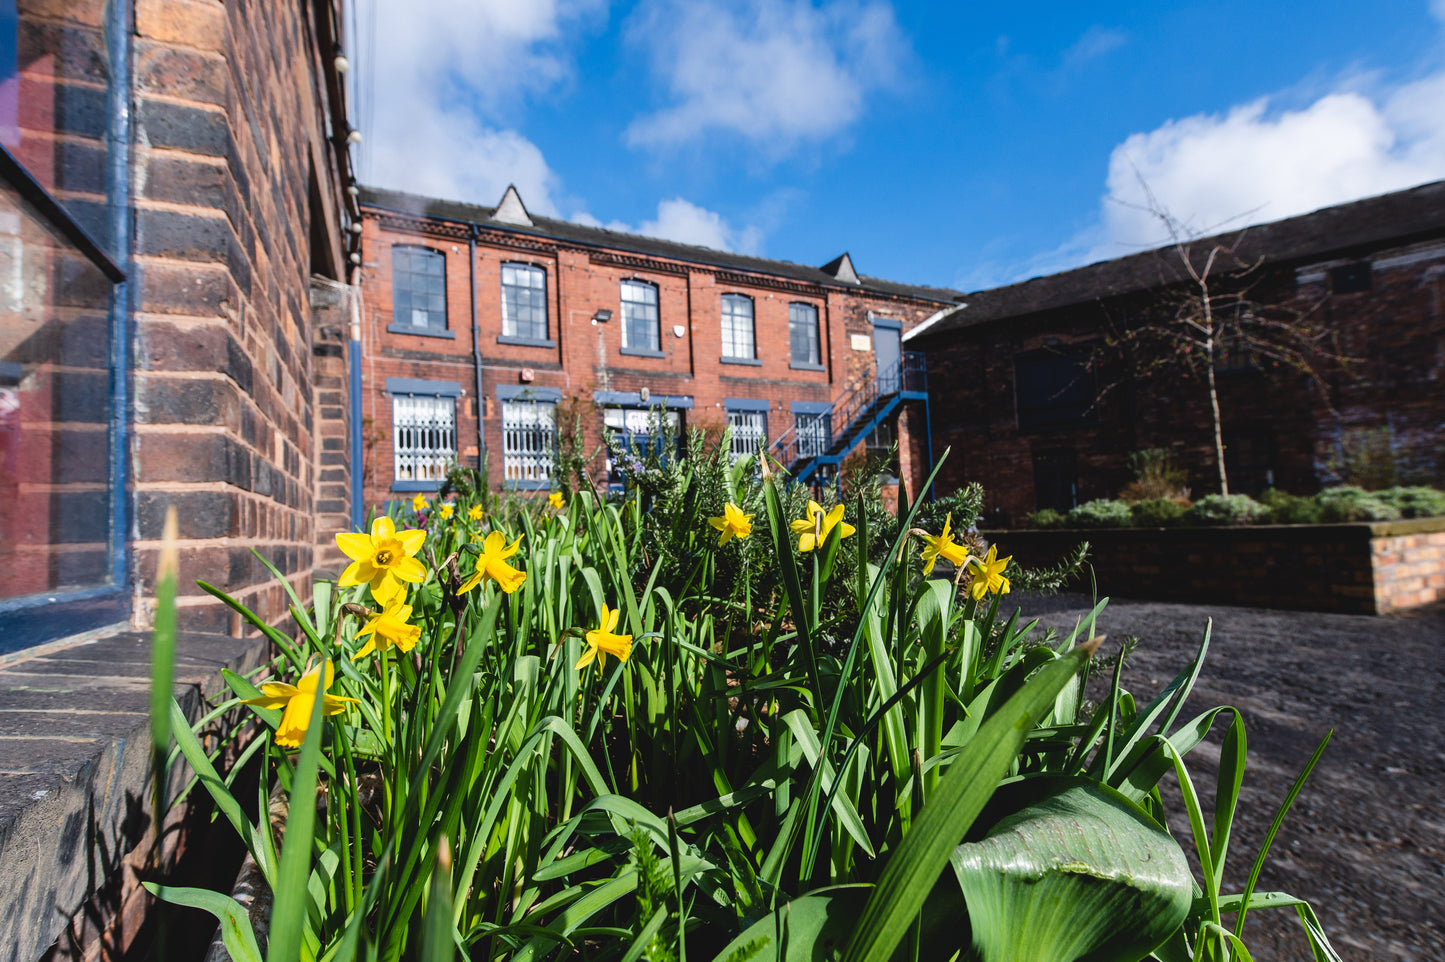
x,y
826,439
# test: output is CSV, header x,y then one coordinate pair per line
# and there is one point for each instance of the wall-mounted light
x,y
354,136
356,227
602,316
342,64
355,258
354,191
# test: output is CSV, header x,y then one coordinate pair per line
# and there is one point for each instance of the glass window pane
x,y
55,436
737,327
524,301
640,317
803,334
529,431
424,437
418,288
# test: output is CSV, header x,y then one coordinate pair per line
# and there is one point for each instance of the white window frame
x,y
424,437
811,322
748,429
739,330
523,280
529,442
638,309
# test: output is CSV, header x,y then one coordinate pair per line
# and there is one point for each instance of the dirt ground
x,y
1365,842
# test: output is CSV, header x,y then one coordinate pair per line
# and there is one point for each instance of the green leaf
x,y
236,932
961,794
289,916
1081,873
810,928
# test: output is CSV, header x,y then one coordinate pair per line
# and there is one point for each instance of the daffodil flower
x,y
604,641
446,511
813,530
475,512
555,500
988,574
492,563
387,628
732,524
382,559
943,547
298,700
419,503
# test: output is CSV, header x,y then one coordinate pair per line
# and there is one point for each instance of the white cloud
x,y
685,222
1094,43
774,72
443,79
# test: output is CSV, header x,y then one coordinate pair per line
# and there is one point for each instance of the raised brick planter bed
x,y
1370,568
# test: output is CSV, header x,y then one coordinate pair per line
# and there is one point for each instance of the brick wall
x,y
331,377
229,141
1357,568
587,357
1391,390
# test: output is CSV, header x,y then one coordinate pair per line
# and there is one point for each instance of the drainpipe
x,y
118,189
476,342
353,357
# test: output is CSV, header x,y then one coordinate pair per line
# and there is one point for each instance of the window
x,y
803,336
1053,390
1056,479
639,318
524,302
748,430
814,433
529,442
424,438
1351,278
737,327
638,433
418,290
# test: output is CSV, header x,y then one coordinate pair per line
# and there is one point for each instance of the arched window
x,y
737,327
639,317
524,302
418,290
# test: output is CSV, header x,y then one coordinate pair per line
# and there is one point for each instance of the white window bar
x,y
749,429
424,437
529,440
814,434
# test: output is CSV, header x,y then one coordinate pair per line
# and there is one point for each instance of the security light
x,y
602,316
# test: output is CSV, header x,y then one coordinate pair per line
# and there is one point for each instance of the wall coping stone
x,y
75,766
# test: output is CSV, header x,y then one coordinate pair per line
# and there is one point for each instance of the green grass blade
x,y
289,914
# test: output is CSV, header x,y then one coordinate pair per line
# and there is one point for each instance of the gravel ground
x,y
1365,842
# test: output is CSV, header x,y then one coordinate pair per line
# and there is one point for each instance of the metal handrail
x,y
859,396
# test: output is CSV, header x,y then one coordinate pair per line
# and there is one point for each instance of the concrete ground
x,y
1365,842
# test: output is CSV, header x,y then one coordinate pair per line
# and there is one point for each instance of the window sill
x,y
749,361
526,341
639,352
416,485
807,367
527,485
420,331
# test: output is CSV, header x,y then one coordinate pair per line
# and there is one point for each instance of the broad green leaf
x,y
1081,873
236,932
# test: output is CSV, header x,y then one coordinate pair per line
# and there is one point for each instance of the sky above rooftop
x,y
956,144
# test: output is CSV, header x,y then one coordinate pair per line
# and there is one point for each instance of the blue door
x,y
886,345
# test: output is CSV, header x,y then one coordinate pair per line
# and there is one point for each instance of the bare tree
x,y
1213,310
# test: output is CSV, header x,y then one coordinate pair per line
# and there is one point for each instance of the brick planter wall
x,y
1357,568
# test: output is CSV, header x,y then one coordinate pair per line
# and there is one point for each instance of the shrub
x,y
1047,518
1285,508
1159,512
1102,513
1349,503
1227,509
1415,502
1156,477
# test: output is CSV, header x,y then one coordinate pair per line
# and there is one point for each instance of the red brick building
x,y
1027,403
489,328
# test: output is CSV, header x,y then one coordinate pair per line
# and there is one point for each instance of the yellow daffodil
x,y
388,627
298,700
446,511
419,503
813,530
732,524
988,574
603,642
555,500
382,559
943,547
492,563
475,512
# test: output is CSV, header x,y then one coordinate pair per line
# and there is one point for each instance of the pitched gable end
x,y
842,269
511,210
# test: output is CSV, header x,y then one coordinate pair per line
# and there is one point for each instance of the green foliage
x,y
1415,502
1285,508
963,504
1227,509
1102,513
1158,512
1156,477
796,742
1349,503
1046,518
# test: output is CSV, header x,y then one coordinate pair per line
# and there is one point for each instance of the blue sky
x,y
954,144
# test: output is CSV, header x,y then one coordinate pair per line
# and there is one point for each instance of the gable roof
x,y
601,237
1348,230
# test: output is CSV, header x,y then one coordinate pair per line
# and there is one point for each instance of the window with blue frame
x,y
418,290
637,434
63,376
